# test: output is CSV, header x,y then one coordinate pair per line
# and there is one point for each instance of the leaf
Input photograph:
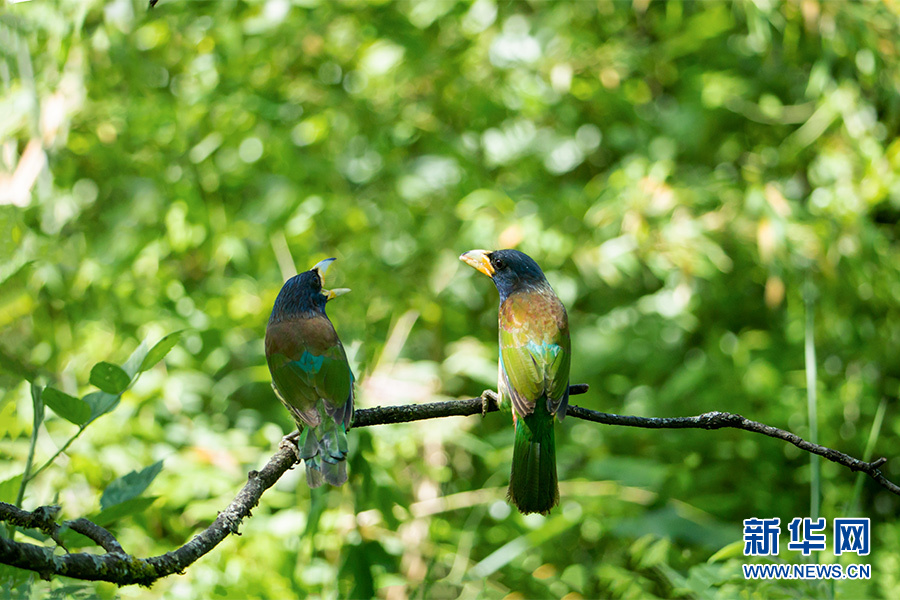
x,y
10,428
101,403
144,356
10,488
72,409
73,539
553,527
733,550
110,378
357,568
159,351
118,511
316,507
132,365
129,486
38,404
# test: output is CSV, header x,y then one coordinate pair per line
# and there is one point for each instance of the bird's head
x,y
511,270
305,292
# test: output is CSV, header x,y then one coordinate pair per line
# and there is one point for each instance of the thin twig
x,y
95,533
43,519
722,420
38,404
117,567
59,451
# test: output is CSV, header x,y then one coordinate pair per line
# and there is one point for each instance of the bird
x,y
311,375
535,355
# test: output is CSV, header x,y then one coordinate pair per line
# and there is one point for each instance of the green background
x,y
705,184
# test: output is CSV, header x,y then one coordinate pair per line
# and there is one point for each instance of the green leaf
x,y
733,550
357,568
159,351
145,356
72,409
132,365
118,511
9,489
101,403
38,403
110,378
73,539
129,486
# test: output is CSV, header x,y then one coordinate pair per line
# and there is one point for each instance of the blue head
x,y
512,271
303,295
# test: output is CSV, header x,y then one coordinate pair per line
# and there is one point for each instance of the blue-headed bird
x,y
311,375
535,354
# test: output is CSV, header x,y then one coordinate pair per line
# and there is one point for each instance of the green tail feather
x,y
533,485
324,450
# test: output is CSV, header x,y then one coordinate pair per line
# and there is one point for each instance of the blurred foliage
x,y
690,176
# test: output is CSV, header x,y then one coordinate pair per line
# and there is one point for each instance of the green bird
x,y
311,375
535,354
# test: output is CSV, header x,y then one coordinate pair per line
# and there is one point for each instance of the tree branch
x,y
722,420
118,567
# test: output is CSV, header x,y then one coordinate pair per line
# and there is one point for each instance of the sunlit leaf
x,y
132,365
733,550
9,489
159,351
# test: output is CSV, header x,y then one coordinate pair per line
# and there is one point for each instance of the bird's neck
x,y
526,287
293,303
292,313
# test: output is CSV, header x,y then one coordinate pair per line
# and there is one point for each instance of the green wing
x,y
302,381
534,369
535,365
312,378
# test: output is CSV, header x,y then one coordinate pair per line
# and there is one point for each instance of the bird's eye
x,y
497,263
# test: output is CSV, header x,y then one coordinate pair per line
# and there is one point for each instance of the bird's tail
x,y
533,485
324,449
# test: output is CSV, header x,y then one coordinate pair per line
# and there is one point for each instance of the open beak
x,y
479,259
332,294
320,269
322,266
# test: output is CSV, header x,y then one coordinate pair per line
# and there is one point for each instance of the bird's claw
x,y
290,441
487,396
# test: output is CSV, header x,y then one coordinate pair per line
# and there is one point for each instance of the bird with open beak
x,y
535,354
311,375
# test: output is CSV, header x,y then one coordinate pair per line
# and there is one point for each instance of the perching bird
x,y
311,375
535,354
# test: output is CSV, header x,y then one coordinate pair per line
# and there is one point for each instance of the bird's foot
x,y
290,441
488,396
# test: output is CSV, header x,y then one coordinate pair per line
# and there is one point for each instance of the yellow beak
x,y
320,269
331,294
479,259
322,266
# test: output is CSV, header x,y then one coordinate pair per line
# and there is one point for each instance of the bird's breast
x,y
534,316
294,337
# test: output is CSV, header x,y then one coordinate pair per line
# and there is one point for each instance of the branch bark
x,y
120,568
115,565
